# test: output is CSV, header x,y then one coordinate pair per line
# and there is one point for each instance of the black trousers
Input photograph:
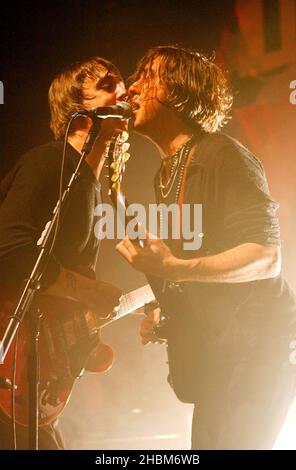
x,y
247,414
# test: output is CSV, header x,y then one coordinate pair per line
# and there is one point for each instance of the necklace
x,y
178,166
165,188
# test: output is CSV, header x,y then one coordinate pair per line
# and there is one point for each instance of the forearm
x,y
70,284
243,263
99,296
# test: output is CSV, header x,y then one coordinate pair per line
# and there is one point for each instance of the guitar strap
x,y
177,247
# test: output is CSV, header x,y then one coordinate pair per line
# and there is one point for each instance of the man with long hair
x,y
230,354
31,192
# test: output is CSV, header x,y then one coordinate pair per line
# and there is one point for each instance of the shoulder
x,y
49,152
42,163
217,151
46,156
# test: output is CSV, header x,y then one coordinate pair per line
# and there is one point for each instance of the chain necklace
x,y
178,170
165,188
178,167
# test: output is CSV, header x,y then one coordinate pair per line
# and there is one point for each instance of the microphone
x,y
120,110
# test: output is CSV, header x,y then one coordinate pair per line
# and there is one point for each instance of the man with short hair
x,y
30,192
230,353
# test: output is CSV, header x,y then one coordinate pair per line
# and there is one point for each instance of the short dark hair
x,y
198,89
65,92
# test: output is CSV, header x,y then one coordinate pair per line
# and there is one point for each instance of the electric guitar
x,y
70,344
173,298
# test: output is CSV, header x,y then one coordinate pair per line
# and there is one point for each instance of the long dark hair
x,y
198,89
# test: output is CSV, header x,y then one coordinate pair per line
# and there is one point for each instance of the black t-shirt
x,y
232,323
31,192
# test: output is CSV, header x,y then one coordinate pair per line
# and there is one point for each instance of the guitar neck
x,y
131,302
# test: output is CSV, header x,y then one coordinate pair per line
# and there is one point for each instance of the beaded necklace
x,y
177,173
165,188
177,169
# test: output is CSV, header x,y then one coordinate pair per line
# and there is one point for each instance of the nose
x,y
121,93
133,89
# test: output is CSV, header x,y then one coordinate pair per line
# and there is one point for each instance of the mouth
x,y
134,106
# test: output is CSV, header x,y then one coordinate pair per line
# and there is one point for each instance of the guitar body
x,y
186,367
69,343
173,299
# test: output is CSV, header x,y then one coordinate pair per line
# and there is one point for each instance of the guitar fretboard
x,y
135,299
132,301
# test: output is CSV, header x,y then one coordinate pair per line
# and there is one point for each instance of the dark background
x,y
39,39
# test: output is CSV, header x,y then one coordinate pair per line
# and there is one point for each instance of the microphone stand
x,y
28,293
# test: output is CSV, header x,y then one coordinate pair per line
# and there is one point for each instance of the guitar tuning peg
x,y
116,186
124,136
107,176
125,146
125,157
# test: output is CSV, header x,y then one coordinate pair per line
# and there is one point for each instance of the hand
x,y
99,296
103,298
109,127
147,328
95,157
155,258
